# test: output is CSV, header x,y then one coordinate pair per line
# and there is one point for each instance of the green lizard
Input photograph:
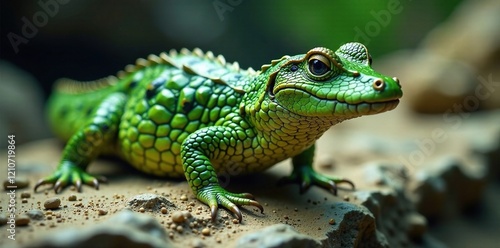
x,y
191,113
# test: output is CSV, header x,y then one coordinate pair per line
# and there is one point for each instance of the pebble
x,y
205,231
184,198
178,217
22,220
20,183
35,214
102,212
72,197
179,229
52,203
164,210
331,221
197,243
3,220
25,195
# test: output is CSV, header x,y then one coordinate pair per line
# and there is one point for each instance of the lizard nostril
x,y
378,84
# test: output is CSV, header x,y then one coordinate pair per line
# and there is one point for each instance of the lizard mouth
x,y
336,106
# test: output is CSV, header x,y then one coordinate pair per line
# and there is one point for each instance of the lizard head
x,y
324,83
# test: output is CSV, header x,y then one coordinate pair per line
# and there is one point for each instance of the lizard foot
x,y
214,196
67,173
305,176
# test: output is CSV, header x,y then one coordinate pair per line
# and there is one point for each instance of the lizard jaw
x,y
296,99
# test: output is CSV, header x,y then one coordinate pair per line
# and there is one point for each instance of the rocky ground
x,y
396,191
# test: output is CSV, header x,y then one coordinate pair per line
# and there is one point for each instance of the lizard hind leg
x,y
304,174
97,134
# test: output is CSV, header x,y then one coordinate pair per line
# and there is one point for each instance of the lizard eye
x,y
319,65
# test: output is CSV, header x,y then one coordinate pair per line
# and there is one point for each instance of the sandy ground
x,y
348,146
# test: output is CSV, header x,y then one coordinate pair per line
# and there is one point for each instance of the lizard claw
x,y
216,195
236,211
304,186
213,212
306,177
69,174
42,182
59,186
95,182
78,185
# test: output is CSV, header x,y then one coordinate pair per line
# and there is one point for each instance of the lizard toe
x,y
42,182
60,184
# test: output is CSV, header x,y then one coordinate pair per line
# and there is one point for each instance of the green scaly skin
x,y
193,114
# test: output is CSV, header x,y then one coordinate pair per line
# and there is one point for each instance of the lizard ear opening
x,y
270,85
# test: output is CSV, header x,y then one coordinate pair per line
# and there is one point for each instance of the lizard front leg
x,y
98,133
196,152
305,175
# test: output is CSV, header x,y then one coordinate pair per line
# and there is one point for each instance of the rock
x,y
446,82
205,231
380,174
125,229
446,187
394,211
197,243
149,201
3,220
395,216
25,119
72,197
102,212
25,195
417,226
19,183
36,214
486,144
178,217
52,203
355,226
461,69
22,220
278,235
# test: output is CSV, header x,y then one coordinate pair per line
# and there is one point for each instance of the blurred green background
x,y
90,39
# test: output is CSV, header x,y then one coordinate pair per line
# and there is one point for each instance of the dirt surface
x,y
347,149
